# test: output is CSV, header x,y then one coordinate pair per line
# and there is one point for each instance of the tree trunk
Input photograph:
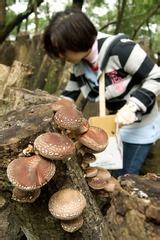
x,y
15,78
2,13
77,4
22,45
36,17
120,12
5,31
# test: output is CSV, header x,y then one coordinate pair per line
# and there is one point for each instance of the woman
x,y
132,80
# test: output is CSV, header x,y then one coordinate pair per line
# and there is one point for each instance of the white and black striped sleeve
x,y
72,89
143,70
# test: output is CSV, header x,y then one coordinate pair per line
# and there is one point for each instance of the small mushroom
x,y
29,150
62,102
96,183
91,172
25,196
95,139
111,185
72,225
103,173
54,146
68,118
29,173
67,204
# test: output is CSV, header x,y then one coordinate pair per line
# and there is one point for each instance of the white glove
x,y
127,114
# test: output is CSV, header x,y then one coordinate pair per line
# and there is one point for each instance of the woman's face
x,y
74,57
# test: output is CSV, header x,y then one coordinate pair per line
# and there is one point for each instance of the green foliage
x,y
102,14
135,16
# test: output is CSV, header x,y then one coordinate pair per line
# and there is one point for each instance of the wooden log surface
x,y
134,213
131,213
18,129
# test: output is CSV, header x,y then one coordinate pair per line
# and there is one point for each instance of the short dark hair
x,y
69,30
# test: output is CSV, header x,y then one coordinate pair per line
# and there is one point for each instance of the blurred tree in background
x,y
138,19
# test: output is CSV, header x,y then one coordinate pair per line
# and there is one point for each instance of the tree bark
x,y
134,212
129,213
2,12
34,219
120,13
15,77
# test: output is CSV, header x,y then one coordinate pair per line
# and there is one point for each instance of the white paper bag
x,y
112,156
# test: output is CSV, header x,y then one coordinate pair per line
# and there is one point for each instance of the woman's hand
x,y
127,114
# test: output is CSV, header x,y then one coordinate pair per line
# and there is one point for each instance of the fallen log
x,y
130,213
18,130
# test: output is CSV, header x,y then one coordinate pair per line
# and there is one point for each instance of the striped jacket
x,y
129,73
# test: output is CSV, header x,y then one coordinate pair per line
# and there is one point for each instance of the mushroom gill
x,y
25,196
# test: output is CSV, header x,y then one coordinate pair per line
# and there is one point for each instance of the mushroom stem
x,y
72,225
23,196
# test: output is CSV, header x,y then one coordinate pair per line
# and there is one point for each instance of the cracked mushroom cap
x,y
62,102
67,204
29,173
68,118
72,225
25,196
95,139
54,146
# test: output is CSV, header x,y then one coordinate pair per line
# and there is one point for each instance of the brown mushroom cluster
x,y
37,165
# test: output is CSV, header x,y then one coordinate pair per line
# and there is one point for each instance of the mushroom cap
x,y
103,173
96,183
83,127
54,146
29,173
95,138
91,172
62,102
68,118
67,204
72,225
25,196
111,185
